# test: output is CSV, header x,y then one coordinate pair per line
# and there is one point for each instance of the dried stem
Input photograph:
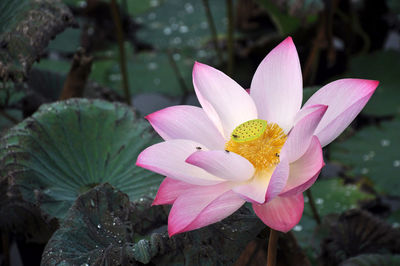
x,y
122,60
229,9
211,24
179,76
313,206
75,82
272,246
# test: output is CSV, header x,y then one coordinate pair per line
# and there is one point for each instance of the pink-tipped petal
x,y
186,122
169,191
281,213
300,136
168,158
277,85
226,165
203,206
278,179
226,103
345,99
305,170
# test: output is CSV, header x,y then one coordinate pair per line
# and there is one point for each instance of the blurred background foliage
x,y
55,50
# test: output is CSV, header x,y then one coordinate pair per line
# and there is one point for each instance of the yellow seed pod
x,y
249,130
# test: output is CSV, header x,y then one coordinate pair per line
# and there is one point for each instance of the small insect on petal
x,y
198,148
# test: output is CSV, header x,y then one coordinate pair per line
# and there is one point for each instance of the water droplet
x,y
369,156
222,228
152,16
395,225
99,226
201,53
82,4
204,25
176,57
167,31
306,199
92,203
189,8
174,26
176,40
298,228
183,29
152,66
141,199
115,77
385,142
156,81
396,163
154,3
364,171
319,201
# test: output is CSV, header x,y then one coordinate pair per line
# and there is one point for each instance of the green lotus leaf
x,y
26,27
68,147
104,228
373,153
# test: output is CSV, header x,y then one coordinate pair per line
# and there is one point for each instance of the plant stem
x,y
229,9
272,246
211,24
181,80
313,206
9,117
122,60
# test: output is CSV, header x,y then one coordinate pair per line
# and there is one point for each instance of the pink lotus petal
x,y
278,179
169,190
186,122
305,170
300,136
226,103
255,189
277,88
168,158
345,99
226,165
203,206
281,213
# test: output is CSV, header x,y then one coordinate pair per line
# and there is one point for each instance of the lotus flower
x,y
260,147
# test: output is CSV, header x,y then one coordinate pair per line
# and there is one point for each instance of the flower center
x,y
259,142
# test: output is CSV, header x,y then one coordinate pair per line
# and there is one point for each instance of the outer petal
x,y
168,158
345,98
300,136
255,189
281,213
203,206
278,179
276,87
305,170
226,165
169,190
226,103
186,122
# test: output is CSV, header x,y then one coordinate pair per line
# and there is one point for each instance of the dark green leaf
x,y
68,147
382,66
373,152
26,27
373,260
100,228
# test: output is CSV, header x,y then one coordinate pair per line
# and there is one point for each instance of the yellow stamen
x,y
259,142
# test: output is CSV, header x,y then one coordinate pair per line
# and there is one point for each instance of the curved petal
x,y
168,158
186,122
278,179
255,189
224,164
281,213
300,136
277,88
305,170
345,99
202,206
169,190
226,103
